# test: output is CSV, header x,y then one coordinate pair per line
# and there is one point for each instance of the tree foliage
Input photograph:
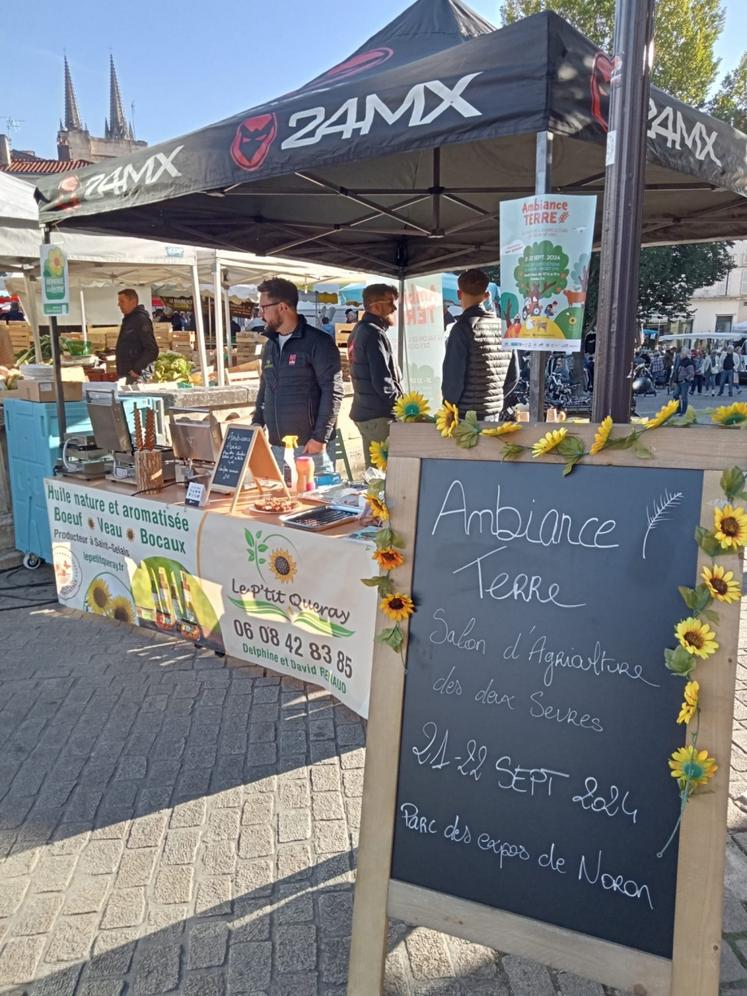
x,y
730,101
669,277
685,34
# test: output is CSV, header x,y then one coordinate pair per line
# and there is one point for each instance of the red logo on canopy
x,y
67,198
357,64
252,141
601,71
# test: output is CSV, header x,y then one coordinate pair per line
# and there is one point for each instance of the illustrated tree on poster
x,y
541,271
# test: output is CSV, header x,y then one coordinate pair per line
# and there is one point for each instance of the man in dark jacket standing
x,y
477,371
300,389
136,345
377,382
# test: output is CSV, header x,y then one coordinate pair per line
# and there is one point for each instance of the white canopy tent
x,y
735,333
105,261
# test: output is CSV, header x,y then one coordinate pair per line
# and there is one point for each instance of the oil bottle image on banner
x,y
170,600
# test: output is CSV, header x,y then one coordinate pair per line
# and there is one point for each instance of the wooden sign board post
x,y
517,790
245,448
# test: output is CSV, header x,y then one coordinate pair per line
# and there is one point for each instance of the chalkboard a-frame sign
x,y
516,787
245,448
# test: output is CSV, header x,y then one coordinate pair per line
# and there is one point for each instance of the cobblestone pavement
x,y
175,823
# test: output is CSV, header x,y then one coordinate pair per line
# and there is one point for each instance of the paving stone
x,y
100,857
37,914
147,831
255,878
219,858
54,872
11,895
258,808
325,778
189,814
294,908
174,884
207,945
574,985
249,966
295,948
331,835
295,794
100,987
125,908
429,956
113,951
527,978
473,961
294,825
62,982
72,938
213,984
251,920
19,958
136,867
735,917
256,842
328,806
158,971
214,895
333,961
294,861
335,913
223,824
296,984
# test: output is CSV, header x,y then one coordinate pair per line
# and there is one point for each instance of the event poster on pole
x,y
55,280
425,341
546,244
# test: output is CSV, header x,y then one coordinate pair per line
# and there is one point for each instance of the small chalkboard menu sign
x,y
245,448
517,791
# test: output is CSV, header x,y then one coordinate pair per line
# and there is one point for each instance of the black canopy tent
x,y
396,160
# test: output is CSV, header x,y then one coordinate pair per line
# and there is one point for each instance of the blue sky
x,y
186,64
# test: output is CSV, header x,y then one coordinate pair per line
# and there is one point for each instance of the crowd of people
x,y
687,372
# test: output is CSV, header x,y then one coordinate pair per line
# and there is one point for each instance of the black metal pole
x,y
617,316
537,359
54,339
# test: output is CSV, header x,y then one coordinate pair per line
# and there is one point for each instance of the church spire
x,y
116,126
72,117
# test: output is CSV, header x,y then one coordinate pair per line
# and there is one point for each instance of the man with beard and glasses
x,y
300,389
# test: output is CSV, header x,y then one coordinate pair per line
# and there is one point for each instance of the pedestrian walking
x,y
726,368
683,374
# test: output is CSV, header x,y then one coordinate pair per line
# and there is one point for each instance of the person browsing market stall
x,y
300,389
477,371
377,382
136,345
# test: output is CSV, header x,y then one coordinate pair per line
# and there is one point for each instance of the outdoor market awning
x,y
397,159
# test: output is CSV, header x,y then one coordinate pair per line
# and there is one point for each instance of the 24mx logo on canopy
x,y
118,181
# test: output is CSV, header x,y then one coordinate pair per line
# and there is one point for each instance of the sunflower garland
x,y
691,765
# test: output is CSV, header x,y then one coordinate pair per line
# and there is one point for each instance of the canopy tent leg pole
x,y
401,325
199,324
83,319
538,358
227,322
619,265
54,336
33,316
220,365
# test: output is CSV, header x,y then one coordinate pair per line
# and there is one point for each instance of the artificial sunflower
x,y
98,597
601,435
503,429
120,609
730,526
688,707
730,414
377,505
388,557
447,419
663,415
692,767
379,453
548,442
721,584
283,566
411,407
696,637
397,606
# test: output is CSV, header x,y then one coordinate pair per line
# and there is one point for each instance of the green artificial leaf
x,y
732,482
392,637
512,451
689,418
384,537
572,448
710,615
707,541
382,582
679,662
397,540
688,596
376,485
641,451
702,598
623,442
467,432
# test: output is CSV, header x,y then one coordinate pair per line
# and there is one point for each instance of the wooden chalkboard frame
x,y
259,459
695,966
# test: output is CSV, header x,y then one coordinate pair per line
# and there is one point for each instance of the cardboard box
x,y
43,391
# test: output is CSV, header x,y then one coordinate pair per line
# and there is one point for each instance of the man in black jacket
x,y
476,369
300,390
136,345
377,382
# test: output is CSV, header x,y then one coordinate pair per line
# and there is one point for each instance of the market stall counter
x,y
242,583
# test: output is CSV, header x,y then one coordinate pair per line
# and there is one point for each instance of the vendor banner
x,y
238,586
546,244
425,339
55,280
